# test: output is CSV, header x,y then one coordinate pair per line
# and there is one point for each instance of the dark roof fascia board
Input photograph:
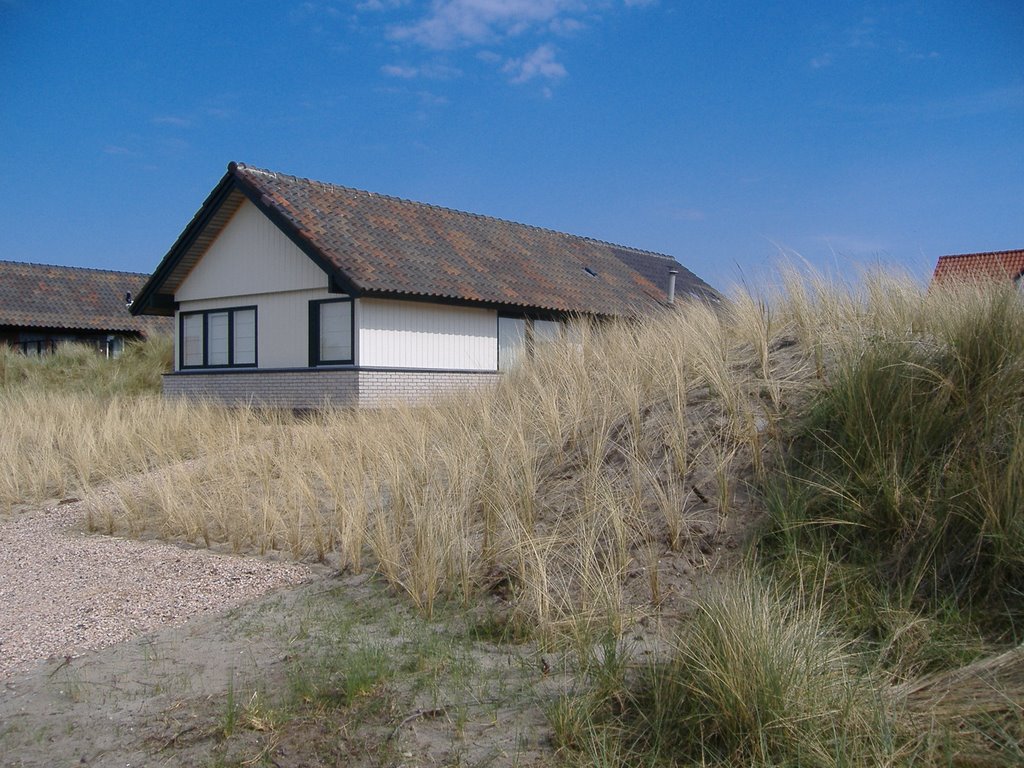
x,y
294,234
527,310
188,236
62,329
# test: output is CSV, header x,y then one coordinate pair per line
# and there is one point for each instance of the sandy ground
x,y
63,591
191,658
110,707
163,699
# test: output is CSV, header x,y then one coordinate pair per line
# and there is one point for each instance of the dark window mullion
x,y
206,338
314,334
231,337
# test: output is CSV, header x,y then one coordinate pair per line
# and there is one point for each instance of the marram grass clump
x,y
80,369
908,468
756,678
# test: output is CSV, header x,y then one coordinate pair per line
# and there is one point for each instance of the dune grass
x,y
908,469
755,678
874,428
551,491
80,369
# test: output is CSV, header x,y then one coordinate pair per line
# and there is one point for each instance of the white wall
x,y
282,324
250,256
414,334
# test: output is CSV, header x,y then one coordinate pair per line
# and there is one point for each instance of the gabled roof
x,y
994,265
374,245
47,296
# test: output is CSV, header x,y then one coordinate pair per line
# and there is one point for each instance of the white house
x,y
292,292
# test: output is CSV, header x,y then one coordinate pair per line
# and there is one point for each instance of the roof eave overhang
x,y
502,306
152,299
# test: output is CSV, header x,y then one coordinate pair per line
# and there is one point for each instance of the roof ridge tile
x,y
66,266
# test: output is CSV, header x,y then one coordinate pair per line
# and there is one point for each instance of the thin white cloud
x,y
820,62
428,99
487,27
864,34
540,63
871,36
689,214
113,149
380,5
993,101
454,23
397,70
177,122
428,71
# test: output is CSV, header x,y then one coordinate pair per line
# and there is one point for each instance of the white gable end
x,y
250,256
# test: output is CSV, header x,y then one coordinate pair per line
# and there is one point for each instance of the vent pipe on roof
x,y
672,285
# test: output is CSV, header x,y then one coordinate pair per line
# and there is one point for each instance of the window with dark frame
x,y
519,336
218,338
331,332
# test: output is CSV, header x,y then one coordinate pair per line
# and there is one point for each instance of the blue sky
x,y
723,133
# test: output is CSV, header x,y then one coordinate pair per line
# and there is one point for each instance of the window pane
x,y
336,331
245,337
511,341
192,340
546,330
217,338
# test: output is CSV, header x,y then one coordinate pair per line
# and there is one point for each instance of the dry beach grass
x,y
613,489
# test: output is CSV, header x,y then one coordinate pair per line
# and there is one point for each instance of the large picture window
x,y
218,338
330,332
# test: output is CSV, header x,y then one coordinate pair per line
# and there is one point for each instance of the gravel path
x,y
63,591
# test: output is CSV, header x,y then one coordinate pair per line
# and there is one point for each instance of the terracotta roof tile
x,y
380,245
995,265
47,296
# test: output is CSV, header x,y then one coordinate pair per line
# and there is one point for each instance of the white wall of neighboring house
x,y
413,334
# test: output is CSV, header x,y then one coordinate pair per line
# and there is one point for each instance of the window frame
x,y
314,332
529,337
205,313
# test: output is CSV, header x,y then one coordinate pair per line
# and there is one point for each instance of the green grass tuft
x,y
908,470
79,369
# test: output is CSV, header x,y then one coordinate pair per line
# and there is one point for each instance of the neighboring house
x,y
42,306
997,266
292,292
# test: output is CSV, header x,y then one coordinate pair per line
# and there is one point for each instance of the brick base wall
x,y
381,388
317,388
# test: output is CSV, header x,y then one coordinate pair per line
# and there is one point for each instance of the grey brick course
x,y
316,388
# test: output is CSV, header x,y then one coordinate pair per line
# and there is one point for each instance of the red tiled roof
x,y
47,296
377,245
995,265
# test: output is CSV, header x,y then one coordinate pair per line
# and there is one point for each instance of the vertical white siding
x,y
250,256
412,334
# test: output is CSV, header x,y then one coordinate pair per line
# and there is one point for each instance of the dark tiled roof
x,y
46,296
995,265
378,245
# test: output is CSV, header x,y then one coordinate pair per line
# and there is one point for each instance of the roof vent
x,y
672,285
590,272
